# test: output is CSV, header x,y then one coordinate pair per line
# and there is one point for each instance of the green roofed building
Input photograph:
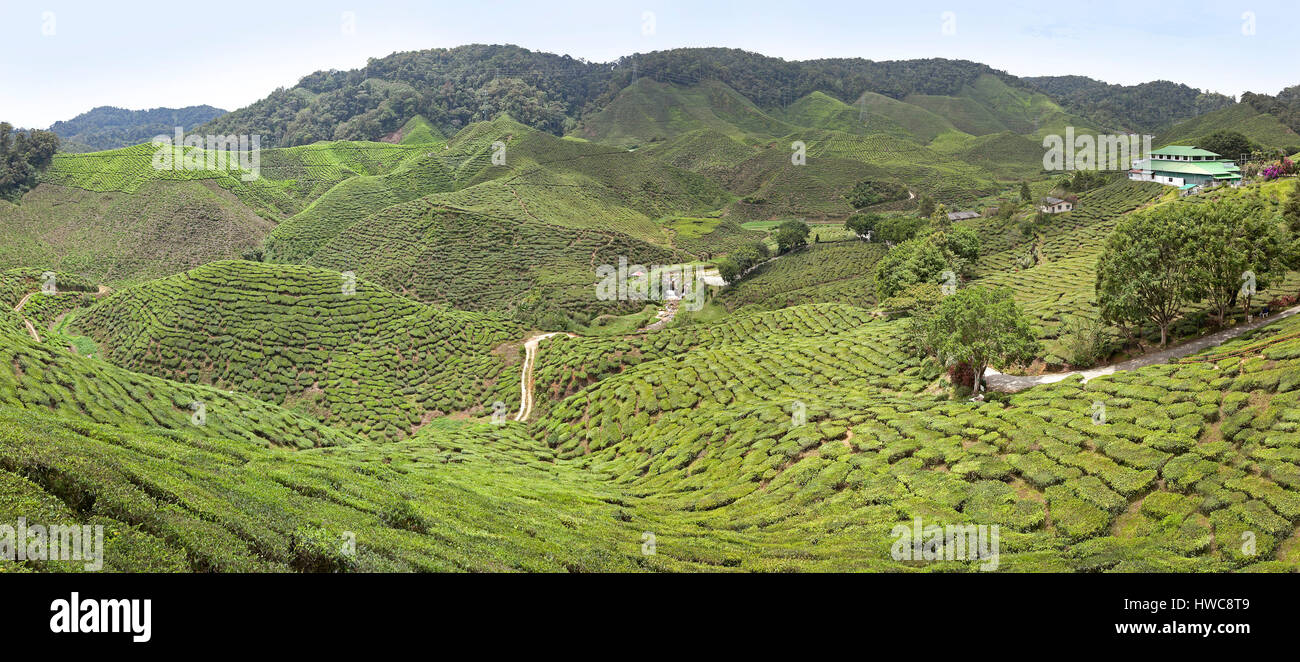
x,y
1185,167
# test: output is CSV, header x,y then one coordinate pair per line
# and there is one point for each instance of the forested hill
x,y
1285,106
457,86
1147,107
107,127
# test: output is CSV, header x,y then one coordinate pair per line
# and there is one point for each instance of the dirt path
x,y
19,309
526,373
996,381
103,289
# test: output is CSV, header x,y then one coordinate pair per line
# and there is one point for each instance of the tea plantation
x,y
319,369
351,354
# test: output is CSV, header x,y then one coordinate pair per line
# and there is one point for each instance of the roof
x,y
1220,169
1182,150
1052,201
962,215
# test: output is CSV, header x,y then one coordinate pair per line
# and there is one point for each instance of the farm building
x,y
963,215
1055,205
1185,167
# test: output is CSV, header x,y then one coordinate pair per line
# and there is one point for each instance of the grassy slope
x,y
648,111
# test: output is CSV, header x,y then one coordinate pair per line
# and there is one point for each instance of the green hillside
x,y
390,347
648,111
113,236
1242,118
919,122
535,272
367,361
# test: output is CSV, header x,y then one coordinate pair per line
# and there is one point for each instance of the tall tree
x,y
977,326
1145,272
1237,248
22,156
791,235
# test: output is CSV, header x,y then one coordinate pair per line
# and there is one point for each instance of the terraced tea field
x,y
342,350
389,355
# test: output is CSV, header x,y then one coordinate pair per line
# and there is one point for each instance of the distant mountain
x,y
1147,107
107,127
455,87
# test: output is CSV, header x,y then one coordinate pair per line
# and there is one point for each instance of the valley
x,y
384,327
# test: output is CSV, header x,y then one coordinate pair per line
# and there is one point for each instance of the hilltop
x,y
455,87
107,127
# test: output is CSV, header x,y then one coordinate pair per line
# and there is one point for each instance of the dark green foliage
x,y
1144,107
23,155
914,261
977,327
107,127
898,229
1228,144
862,224
869,192
791,235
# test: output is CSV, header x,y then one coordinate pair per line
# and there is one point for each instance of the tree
x,y
862,224
791,235
897,229
1229,144
1145,272
22,156
911,262
963,242
868,192
939,219
728,269
1025,195
1232,240
1291,209
926,206
977,326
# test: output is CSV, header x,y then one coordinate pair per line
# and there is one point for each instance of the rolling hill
x,y
107,127
419,259
1242,118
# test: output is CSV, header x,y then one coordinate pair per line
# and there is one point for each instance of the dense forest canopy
x,y
23,154
453,87
107,127
1145,107
1285,106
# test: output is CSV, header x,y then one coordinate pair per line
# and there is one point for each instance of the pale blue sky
x,y
233,52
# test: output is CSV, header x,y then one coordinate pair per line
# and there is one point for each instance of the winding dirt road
x,y
30,327
526,373
996,381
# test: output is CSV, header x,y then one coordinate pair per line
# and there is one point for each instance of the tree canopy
x,y
977,326
23,155
1159,260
